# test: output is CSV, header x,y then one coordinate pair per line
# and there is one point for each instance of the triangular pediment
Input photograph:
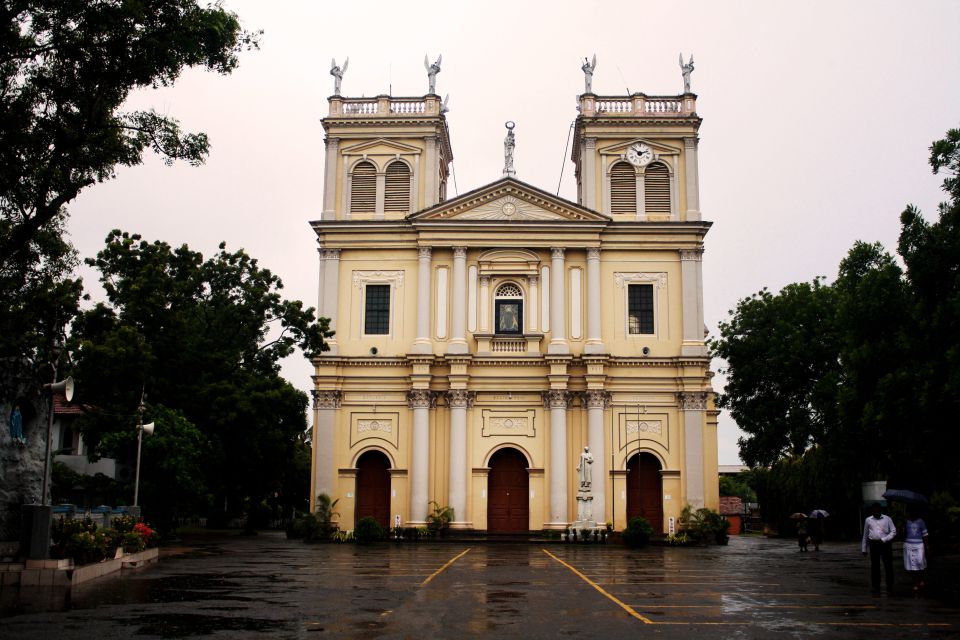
x,y
509,200
380,146
621,147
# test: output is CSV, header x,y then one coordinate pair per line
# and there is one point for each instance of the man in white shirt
x,y
878,535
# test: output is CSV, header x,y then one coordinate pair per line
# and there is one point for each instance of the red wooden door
x,y
508,493
373,488
645,490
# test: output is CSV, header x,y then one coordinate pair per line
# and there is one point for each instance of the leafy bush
x,y
133,542
638,532
704,525
677,539
123,524
368,530
440,519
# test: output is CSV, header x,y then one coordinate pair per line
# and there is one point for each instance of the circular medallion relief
x,y
508,208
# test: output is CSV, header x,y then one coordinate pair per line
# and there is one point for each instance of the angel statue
x,y
432,71
337,73
687,70
588,68
443,107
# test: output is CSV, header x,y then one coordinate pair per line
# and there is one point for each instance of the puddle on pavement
x,y
182,625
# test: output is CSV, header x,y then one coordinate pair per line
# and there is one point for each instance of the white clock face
x,y
639,154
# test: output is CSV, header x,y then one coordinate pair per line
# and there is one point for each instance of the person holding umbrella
x,y
878,535
816,527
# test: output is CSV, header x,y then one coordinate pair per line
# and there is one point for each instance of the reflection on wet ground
x,y
268,587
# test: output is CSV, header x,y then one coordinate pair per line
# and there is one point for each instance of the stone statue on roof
x,y
432,71
337,73
508,145
687,70
588,67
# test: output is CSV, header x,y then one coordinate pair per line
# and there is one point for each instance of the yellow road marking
x,y
593,584
441,569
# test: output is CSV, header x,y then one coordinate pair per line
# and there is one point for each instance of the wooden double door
x,y
508,493
645,490
373,488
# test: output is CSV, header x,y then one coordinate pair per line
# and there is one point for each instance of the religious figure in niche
x,y
508,321
16,426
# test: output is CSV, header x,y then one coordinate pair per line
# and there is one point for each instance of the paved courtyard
x,y
267,587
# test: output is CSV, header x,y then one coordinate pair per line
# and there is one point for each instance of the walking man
x,y
878,535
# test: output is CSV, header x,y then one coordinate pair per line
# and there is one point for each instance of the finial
x,y
508,145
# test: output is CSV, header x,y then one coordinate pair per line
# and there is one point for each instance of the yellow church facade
x,y
483,341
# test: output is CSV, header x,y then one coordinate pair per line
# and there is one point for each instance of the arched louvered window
x,y
657,189
397,194
623,189
363,188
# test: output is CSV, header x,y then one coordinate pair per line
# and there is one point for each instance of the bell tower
x,y
636,156
386,157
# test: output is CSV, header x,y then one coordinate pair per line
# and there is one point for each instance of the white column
x,y
691,281
420,401
594,335
597,402
331,293
693,406
558,322
532,304
484,304
321,310
458,400
557,401
380,196
421,343
589,177
330,180
325,405
432,195
458,335
692,177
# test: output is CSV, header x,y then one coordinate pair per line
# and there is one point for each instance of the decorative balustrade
x,y
384,106
508,345
638,105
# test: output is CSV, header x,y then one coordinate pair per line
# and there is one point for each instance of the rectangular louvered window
x,y
657,189
623,189
376,311
363,188
397,185
640,309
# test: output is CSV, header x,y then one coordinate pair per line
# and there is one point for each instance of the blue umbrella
x,y
905,495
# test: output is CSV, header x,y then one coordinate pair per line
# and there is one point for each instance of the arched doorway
x,y
645,490
373,488
508,491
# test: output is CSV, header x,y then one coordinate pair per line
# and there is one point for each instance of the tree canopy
x,y
203,337
66,68
858,379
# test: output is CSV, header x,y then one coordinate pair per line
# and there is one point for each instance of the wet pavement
x,y
268,587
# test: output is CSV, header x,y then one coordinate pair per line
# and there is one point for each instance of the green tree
x,y
67,67
203,337
781,353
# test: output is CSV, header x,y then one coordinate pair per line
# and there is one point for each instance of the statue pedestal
x,y
584,511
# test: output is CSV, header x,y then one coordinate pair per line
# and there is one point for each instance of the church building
x,y
487,343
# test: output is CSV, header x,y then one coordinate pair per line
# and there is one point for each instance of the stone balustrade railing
x,y
384,106
638,105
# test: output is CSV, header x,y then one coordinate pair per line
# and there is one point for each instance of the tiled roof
x,y
63,408
730,505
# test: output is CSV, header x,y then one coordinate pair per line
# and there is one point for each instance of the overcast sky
x,y
817,121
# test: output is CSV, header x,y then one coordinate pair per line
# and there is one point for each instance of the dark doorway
x,y
645,490
508,491
373,487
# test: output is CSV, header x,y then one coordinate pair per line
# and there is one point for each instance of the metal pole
x,y
46,459
136,482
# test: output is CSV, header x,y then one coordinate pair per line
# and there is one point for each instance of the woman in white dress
x,y
915,548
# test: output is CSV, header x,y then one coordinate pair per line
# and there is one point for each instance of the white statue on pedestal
x,y
586,469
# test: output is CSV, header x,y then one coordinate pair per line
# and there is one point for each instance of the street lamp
x,y
141,429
